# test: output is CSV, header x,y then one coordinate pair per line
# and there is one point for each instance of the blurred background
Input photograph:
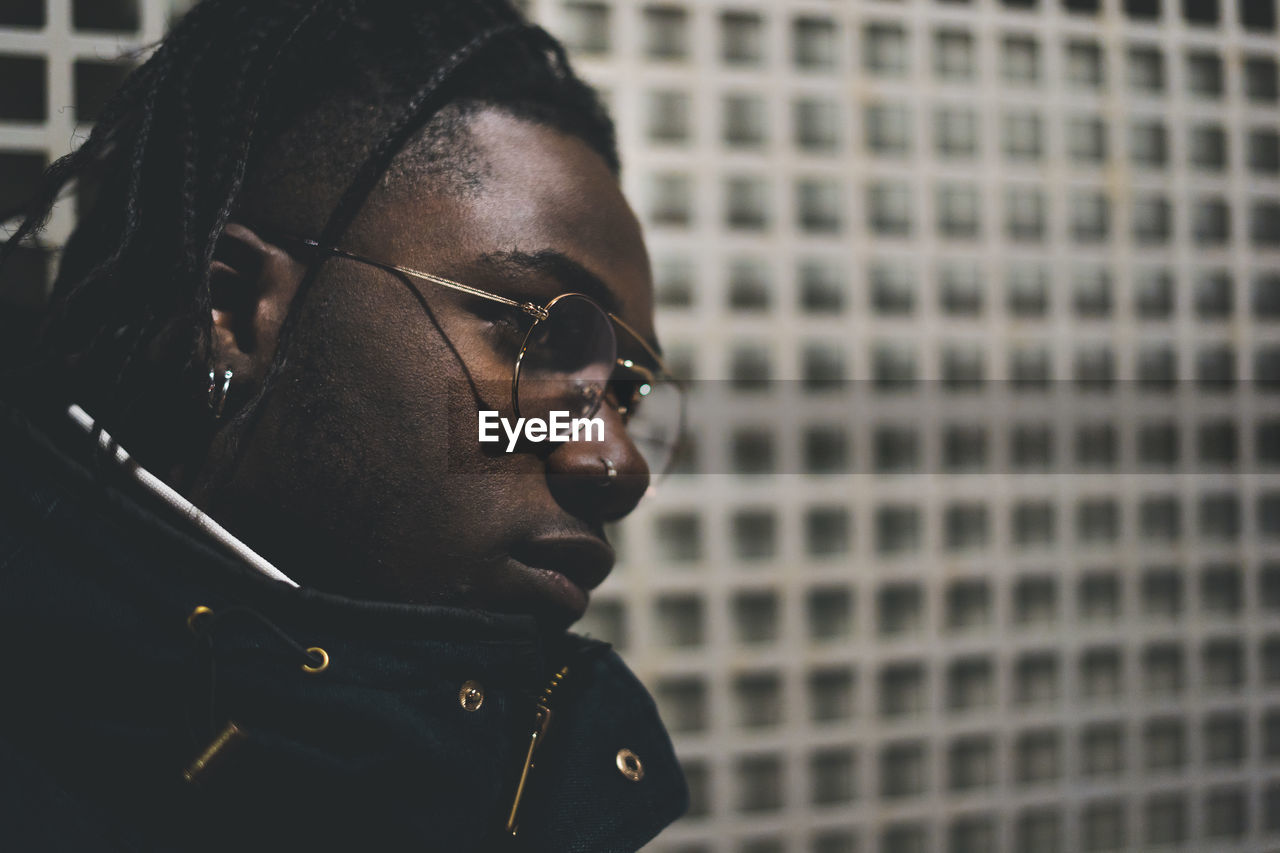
x,y
976,544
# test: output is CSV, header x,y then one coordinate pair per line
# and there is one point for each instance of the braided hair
x,y
250,101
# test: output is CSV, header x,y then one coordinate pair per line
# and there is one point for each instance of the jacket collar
x,y
100,582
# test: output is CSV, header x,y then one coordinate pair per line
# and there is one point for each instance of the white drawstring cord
x,y
162,490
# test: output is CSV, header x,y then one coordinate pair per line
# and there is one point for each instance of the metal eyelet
x,y
320,667
471,696
629,765
196,614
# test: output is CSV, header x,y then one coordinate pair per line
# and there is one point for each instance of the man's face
x,y
364,474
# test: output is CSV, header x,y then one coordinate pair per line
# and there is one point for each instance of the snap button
x,y
629,765
471,696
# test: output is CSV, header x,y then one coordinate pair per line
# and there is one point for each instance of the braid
x,y
202,295
133,340
415,113
131,219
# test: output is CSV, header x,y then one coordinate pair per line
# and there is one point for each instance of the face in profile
x,y
363,474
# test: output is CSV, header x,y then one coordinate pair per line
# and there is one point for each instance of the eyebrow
x,y
573,276
570,274
548,262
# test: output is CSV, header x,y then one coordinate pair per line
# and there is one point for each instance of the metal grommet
x,y
629,765
320,667
196,614
471,696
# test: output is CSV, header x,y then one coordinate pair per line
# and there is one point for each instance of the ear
x,y
252,283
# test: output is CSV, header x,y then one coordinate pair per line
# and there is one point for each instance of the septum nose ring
x,y
610,472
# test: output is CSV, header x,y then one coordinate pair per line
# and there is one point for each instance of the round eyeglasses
x,y
568,362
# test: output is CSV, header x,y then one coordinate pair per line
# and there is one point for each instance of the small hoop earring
x,y
218,393
610,472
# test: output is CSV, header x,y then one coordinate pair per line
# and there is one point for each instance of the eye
x,y
503,318
506,327
506,323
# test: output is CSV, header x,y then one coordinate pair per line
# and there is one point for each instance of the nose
x,y
599,480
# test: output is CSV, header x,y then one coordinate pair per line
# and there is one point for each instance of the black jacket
x,y
109,693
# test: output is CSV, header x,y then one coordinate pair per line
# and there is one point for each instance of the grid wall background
x,y
880,628
953,619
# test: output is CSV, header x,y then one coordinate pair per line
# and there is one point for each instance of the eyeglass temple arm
x,y
527,307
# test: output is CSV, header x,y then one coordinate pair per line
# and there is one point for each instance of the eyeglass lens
x,y
568,361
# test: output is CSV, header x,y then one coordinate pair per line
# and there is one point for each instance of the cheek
x,y
399,386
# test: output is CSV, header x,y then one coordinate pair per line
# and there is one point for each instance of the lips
x,y
585,560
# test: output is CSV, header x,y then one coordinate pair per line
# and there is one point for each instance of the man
x,y
311,609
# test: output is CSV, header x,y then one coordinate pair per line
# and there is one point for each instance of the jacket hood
x,y
300,718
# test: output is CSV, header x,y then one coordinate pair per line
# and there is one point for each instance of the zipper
x,y
542,721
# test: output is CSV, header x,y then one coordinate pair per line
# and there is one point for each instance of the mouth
x,y
584,560
569,566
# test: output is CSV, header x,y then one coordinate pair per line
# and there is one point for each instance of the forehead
x,y
539,190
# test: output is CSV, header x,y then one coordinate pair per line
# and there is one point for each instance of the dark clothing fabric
x,y
108,695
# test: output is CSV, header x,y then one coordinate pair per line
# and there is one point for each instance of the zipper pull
x,y
542,721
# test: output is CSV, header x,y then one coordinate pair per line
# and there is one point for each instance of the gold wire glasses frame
x,y
646,378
